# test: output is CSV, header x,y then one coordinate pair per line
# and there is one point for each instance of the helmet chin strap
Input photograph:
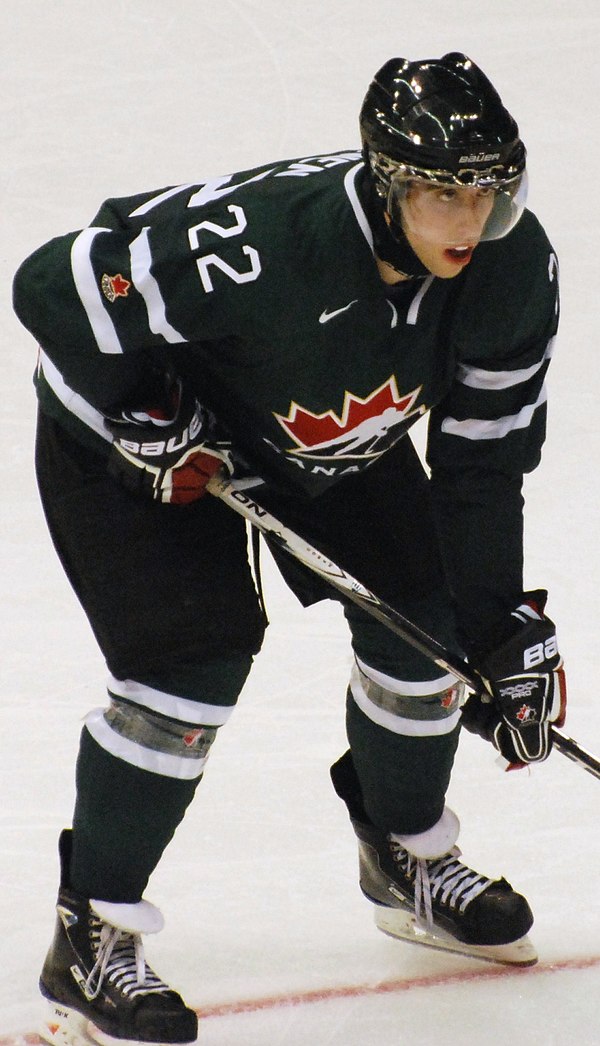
x,y
391,245
401,251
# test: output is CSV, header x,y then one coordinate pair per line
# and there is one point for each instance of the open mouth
x,y
462,255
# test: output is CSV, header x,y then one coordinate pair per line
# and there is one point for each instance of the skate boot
x,y
423,892
98,987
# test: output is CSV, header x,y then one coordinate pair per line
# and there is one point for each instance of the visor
x,y
456,210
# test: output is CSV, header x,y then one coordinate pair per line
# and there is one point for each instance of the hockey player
x,y
292,322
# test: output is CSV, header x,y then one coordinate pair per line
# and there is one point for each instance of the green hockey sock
x,y
124,818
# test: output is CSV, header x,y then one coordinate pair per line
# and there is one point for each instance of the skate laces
x,y
120,960
445,880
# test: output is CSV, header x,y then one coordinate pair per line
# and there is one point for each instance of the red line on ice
x,y
357,991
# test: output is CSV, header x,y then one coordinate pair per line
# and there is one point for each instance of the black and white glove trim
x,y
524,678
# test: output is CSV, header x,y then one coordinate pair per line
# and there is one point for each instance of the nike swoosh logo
x,y
326,316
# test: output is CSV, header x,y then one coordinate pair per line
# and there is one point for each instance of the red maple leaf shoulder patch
x,y
114,287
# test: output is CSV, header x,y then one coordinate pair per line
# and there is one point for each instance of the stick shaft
x,y
237,494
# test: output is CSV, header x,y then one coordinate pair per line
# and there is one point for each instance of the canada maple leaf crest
x,y
526,714
365,427
450,698
191,738
114,287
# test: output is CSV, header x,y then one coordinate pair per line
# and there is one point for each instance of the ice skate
x,y
97,985
426,894
444,904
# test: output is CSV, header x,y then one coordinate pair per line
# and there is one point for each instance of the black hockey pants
x,y
169,594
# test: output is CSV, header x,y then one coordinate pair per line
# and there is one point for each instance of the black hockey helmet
x,y
443,121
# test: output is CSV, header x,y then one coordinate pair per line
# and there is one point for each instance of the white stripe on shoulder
x,y
156,200
476,429
84,277
145,283
495,380
350,187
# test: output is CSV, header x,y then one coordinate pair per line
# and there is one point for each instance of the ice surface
x,y
266,929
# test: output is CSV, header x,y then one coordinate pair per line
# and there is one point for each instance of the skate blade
x,y
64,1026
402,924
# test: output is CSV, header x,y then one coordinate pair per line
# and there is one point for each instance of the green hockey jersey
x,y
262,289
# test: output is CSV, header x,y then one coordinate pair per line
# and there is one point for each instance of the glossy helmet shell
x,y
443,119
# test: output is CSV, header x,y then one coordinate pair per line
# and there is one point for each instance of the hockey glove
x,y
525,689
168,450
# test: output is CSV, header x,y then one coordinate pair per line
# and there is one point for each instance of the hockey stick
x,y
235,493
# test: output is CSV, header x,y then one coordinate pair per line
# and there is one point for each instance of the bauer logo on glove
x,y
170,451
540,652
158,448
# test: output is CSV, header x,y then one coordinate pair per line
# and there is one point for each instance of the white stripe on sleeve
x,y
75,403
145,283
86,283
143,209
495,380
476,429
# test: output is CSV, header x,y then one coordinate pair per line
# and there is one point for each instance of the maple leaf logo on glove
x,y
525,714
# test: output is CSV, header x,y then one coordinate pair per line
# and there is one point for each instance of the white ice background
x,y
259,887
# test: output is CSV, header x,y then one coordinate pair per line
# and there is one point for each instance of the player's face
x,y
444,223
